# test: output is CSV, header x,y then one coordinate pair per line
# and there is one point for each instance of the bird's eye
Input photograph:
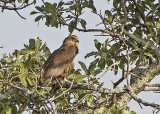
x,y
72,38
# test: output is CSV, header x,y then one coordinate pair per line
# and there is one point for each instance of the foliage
x,y
21,66
133,36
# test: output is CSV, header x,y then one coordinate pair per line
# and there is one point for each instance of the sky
x,y
15,32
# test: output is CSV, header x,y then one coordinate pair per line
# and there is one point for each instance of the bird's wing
x,y
60,57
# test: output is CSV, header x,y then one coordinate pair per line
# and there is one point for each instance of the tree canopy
x,y
131,51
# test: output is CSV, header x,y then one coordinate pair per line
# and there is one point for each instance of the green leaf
x,y
60,4
107,111
101,63
148,54
48,19
116,69
97,71
71,27
83,66
73,7
23,79
132,112
108,13
38,44
50,8
97,44
147,45
122,62
93,66
24,51
14,110
101,110
104,46
78,8
47,52
17,53
109,62
28,62
79,77
114,110
83,23
134,45
33,12
29,81
54,23
39,8
32,44
90,98
91,5
115,3
8,111
38,18
91,54
34,112
149,23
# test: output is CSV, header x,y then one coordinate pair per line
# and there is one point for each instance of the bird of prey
x,y
60,62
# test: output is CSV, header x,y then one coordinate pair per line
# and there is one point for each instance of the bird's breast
x,y
54,72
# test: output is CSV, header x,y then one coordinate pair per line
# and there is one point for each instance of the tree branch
x,y
30,95
16,8
152,85
134,96
146,76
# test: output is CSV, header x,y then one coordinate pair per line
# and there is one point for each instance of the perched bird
x,y
60,62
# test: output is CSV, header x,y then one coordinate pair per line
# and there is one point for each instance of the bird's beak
x,y
76,40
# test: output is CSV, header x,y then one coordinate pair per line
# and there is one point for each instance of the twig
x,y
119,81
108,70
121,38
64,91
101,35
20,14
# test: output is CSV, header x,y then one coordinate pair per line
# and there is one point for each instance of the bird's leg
x,y
65,80
59,82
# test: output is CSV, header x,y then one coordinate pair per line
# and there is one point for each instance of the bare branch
x,y
152,89
152,85
108,69
139,100
120,80
12,6
20,15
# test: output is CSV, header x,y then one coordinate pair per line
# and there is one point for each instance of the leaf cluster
x,y
64,13
22,66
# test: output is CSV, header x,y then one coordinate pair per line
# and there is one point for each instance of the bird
x,y
60,62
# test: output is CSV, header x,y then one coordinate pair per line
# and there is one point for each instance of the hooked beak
x,y
76,40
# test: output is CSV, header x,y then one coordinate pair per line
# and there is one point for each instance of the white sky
x,y
14,32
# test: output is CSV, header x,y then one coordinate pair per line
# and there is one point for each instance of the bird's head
x,y
71,40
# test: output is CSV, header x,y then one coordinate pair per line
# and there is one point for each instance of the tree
x,y
132,30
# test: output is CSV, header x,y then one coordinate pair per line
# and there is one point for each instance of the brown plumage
x,y
60,62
